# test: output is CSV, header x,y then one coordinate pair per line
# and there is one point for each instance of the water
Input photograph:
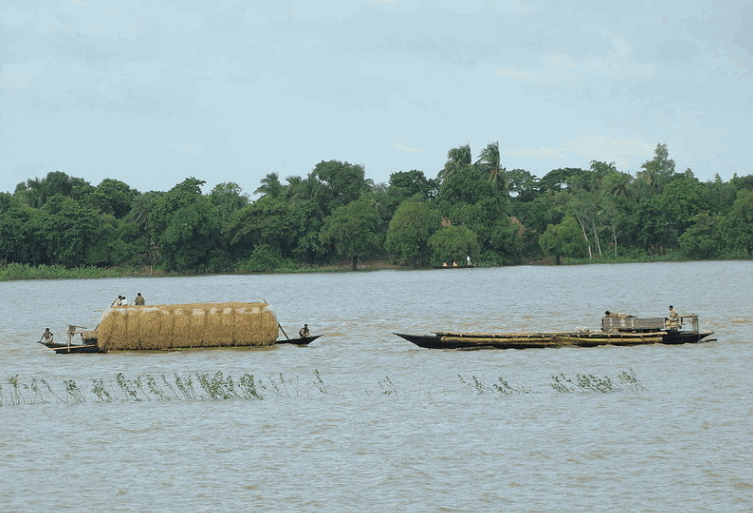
x,y
364,420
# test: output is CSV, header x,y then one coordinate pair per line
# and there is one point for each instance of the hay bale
x,y
113,329
189,325
198,324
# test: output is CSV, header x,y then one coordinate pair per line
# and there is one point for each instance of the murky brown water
x,y
365,420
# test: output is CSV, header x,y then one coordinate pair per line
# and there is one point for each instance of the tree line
x,y
473,208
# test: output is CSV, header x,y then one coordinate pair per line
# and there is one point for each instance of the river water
x,y
363,420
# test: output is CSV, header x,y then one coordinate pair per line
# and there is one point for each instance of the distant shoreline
x,y
23,272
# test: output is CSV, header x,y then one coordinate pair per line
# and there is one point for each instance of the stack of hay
x,y
186,326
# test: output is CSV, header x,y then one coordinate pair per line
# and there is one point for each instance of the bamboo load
x,y
195,325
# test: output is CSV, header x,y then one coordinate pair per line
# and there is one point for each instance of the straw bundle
x,y
190,325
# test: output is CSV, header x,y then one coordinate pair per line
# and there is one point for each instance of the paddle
x,y
283,331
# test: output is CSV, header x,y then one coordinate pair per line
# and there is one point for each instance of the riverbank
x,y
15,272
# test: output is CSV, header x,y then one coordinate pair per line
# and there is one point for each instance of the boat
x,y
180,339
60,348
303,341
90,345
616,330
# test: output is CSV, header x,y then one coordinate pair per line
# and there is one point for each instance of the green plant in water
x,y
126,387
15,395
155,390
282,387
591,383
73,391
503,387
98,389
248,387
387,386
37,397
477,385
319,383
217,387
630,380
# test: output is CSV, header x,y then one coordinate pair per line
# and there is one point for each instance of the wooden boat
x,y
89,342
303,341
616,331
60,348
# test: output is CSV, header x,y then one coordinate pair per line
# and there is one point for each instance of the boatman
x,y
139,301
47,336
673,320
304,332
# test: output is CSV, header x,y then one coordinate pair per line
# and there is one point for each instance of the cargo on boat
x,y
618,330
181,326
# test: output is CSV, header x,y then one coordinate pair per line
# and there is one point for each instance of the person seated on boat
x,y
673,320
118,301
47,336
139,301
304,332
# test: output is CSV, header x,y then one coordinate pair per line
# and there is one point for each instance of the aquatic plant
x,y
248,387
387,386
74,392
501,386
319,383
591,383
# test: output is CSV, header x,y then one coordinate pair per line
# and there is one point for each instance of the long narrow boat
x,y
303,341
71,348
616,330
94,348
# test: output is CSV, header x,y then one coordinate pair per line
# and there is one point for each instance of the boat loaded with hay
x,y
616,329
187,326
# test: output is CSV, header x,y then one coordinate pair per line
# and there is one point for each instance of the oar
x,y
283,331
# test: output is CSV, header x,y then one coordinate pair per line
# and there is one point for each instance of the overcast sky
x,y
151,93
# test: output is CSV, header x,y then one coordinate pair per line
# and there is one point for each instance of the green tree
x,y
187,229
703,239
738,224
680,200
522,185
657,172
457,159
113,197
490,167
409,232
453,244
339,183
354,230
564,239
270,186
71,232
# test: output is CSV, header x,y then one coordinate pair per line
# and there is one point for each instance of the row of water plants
x,y
205,387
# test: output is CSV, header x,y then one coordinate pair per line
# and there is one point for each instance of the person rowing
x,y
47,337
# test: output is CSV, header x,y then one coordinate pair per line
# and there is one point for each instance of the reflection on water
x,y
363,419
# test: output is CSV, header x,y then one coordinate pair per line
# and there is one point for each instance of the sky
x,y
152,93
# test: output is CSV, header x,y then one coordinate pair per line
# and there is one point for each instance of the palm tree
x,y
457,158
35,191
489,166
270,186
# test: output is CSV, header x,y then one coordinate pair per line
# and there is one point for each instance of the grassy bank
x,y
55,272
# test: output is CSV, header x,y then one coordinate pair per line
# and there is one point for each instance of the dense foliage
x,y
472,209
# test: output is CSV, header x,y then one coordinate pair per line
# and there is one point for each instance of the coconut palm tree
x,y
457,158
489,166
270,186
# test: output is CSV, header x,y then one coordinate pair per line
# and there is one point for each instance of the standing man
x,y
673,321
